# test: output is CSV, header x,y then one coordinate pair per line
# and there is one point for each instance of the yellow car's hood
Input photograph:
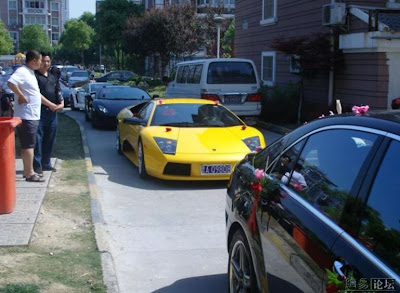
x,y
213,140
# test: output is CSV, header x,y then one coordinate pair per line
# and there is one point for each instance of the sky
x,y
78,7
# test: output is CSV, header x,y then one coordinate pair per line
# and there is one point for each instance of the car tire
x,y
119,146
241,276
141,163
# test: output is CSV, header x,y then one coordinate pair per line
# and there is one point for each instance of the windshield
x,y
193,115
123,93
95,87
231,73
80,74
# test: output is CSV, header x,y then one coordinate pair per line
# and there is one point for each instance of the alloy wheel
x,y
239,271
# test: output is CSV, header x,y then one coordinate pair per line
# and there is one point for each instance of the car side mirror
x,y
155,96
135,121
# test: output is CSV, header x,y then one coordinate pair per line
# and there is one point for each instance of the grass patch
x,y
157,90
62,255
20,288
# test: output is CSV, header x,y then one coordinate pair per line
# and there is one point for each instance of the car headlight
x,y
102,109
252,142
166,145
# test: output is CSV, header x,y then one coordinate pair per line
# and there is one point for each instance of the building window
x,y
55,37
12,5
34,4
13,21
294,64
268,12
54,21
35,19
14,36
54,6
268,68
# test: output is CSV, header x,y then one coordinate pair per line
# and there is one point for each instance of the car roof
x,y
385,121
197,61
184,101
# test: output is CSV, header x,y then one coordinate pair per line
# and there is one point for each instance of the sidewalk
x,y
16,228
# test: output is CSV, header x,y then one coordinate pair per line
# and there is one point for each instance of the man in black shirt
x,y
51,96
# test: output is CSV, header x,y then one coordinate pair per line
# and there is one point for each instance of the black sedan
x,y
108,102
122,76
318,210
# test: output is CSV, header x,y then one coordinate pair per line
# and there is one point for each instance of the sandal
x,y
35,178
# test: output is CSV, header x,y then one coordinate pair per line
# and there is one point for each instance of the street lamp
x,y
218,20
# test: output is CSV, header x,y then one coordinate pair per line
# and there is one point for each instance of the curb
x,y
109,274
273,127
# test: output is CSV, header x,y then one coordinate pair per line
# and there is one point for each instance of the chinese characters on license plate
x,y
215,169
232,99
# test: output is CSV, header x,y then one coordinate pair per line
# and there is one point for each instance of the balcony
x,y
41,11
228,4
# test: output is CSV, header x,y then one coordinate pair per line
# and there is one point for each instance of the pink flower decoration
x,y
360,110
216,102
259,174
160,102
258,149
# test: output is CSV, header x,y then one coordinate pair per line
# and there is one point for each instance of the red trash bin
x,y
7,163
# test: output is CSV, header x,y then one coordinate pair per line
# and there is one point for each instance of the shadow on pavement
x,y
209,284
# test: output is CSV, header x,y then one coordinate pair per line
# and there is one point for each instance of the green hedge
x,y
280,103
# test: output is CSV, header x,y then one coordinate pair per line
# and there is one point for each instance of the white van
x,y
232,81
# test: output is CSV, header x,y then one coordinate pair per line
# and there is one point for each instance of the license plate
x,y
232,100
215,169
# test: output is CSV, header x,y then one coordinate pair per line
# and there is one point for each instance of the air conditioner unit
x,y
334,14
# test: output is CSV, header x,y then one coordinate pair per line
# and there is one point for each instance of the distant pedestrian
x,y
52,102
27,106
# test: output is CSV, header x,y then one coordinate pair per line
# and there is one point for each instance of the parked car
x,y
109,101
66,71
66,93
86,94
122,76
232,81
184,139
396,103
327,214
78,77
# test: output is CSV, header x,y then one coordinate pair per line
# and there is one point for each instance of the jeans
x,y
45,139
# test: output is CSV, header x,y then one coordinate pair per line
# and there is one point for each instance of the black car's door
x,y
371,248
318,175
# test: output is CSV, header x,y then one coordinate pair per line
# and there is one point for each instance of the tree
x,y
312,54
77,37
210,29
91,55
111,22
162,33
33,37
185,34
228,41
6,42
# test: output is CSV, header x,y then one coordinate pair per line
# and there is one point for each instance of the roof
x,y
215,60
386,121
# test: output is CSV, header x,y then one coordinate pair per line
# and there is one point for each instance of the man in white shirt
x,y
297,178
27,104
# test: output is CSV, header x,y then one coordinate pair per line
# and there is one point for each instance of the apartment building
x,y
368,34
50,14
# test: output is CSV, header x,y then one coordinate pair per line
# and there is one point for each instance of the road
x,y
164,236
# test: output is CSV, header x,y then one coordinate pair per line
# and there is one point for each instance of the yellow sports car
x,y
184,139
